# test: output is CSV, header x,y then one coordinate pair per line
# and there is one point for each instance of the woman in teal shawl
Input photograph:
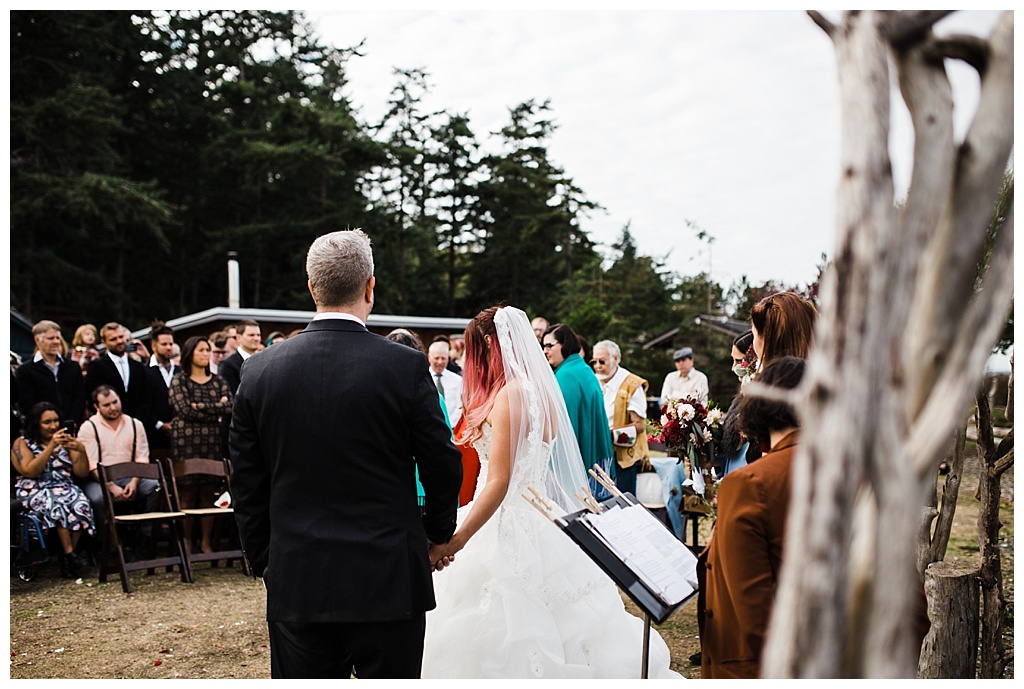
x,y
583,399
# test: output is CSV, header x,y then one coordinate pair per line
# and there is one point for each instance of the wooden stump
x,y
950,651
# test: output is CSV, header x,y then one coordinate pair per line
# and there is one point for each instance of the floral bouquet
x,y
690,431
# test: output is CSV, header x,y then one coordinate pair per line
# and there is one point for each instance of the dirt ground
x,y
215,628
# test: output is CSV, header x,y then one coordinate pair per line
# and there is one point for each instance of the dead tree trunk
x,y
901,341
950,651
993,465
938,523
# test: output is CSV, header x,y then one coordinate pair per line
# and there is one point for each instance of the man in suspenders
x,y
111,437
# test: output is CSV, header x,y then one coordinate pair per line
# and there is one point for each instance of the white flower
x,y
664,420
715,417
685,411
707,436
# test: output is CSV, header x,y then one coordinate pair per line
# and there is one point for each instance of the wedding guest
x,y
48,458
783,325
112,437
121,372
742,561
583,400
50,377
273,337
449,384
735,450
161,372
199,399
625,402
83,346
456,354
218,349
539,325
685,381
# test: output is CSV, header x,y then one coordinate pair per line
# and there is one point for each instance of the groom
x,y
323,435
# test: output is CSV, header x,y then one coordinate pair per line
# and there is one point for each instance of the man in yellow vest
x,y
625,403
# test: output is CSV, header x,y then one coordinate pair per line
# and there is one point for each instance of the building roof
x,y
221,314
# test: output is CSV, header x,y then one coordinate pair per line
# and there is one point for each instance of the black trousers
x,y
339,650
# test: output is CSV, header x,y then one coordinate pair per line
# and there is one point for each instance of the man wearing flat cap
x,y
685,381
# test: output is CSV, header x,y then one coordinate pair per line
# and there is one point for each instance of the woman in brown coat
x,y
743,559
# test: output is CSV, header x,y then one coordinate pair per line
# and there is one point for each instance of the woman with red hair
x,y
521,600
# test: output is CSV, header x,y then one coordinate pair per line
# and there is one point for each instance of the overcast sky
x,y
728,119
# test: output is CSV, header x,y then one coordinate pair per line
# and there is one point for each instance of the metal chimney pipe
x,y
234,281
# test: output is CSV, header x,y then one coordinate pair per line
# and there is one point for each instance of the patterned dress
x,y
197,431
53,496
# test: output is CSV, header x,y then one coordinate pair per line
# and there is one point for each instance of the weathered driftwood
x,y
950,651
905,326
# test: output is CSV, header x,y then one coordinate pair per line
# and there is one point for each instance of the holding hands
x,y
440,555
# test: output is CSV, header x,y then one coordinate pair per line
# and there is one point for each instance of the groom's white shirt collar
x,y
324,315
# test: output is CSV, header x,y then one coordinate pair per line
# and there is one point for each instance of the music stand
x,y
653,606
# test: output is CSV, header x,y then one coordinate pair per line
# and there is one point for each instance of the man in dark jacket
x,y
50,377
328,430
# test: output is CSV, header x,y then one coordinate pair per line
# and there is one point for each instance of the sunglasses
x,y
598,361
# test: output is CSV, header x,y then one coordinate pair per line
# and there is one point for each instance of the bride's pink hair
x,y
483,373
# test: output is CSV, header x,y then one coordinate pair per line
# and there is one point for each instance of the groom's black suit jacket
x,y
324,432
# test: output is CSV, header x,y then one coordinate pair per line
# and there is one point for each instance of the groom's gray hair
x,y
338,266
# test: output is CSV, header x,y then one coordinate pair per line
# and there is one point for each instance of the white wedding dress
x,y
522,600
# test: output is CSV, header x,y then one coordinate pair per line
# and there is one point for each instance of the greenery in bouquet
x,y
691,431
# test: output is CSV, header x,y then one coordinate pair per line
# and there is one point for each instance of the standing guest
x,y
734,450
275,336
685,381
583,400
783,325
47,457
112,437
83,346
742,561
230,367
539,326
231,332
456,354
625,403
161,372
449,385
126,376
326,510
199,400
49,377
218,349
136,348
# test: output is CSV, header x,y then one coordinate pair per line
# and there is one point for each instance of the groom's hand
x,y
438,559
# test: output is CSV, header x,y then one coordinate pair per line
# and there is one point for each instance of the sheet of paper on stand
x,y
660,561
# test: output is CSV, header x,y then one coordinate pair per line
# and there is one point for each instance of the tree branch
x,y
911,25
971,49
824,24
1004,463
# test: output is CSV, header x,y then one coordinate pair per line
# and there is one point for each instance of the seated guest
x,y
112,437
83,346
199,400
47,457
742,561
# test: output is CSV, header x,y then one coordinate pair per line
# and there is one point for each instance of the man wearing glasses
x,y
625,403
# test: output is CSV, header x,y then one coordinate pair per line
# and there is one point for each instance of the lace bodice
x,y
483,449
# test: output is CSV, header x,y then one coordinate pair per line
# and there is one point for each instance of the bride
x,y
520,599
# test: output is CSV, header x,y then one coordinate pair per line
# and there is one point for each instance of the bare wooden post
x,y
950,651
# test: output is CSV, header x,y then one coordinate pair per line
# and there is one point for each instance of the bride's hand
x,y
437,554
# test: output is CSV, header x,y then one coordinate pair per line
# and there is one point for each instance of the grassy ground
x,y
215,628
